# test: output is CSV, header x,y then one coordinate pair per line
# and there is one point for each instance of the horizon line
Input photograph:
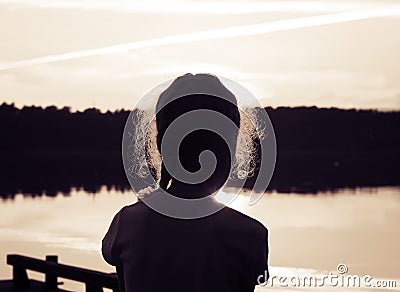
x,y
103,111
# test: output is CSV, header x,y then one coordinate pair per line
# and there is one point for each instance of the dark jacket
x,y
226,251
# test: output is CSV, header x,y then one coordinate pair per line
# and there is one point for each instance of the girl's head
x,y
191,93
152,123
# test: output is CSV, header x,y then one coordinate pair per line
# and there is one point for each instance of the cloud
x,y
214,34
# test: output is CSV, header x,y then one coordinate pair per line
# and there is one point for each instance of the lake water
x,y
309,234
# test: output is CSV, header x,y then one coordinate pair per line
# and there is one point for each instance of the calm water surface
x,y
309,234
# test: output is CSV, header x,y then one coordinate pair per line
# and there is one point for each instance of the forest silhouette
x,y
47,151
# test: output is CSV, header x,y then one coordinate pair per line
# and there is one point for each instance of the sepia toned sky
x,y
107,54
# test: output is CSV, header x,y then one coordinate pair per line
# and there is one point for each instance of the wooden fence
x,y
94,281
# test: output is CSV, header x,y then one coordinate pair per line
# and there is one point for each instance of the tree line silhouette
x,y
50,150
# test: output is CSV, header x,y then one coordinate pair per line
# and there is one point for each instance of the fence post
x,y
51,280
20,277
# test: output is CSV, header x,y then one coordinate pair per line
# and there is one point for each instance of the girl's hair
x,y
185,94
171,105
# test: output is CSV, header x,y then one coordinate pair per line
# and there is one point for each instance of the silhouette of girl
x,y
225,251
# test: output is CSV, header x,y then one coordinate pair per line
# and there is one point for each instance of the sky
x,y
108,54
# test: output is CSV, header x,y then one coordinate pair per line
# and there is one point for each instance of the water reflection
x,y
358,227
50,173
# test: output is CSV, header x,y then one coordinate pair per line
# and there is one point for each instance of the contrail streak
x,y
223,33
